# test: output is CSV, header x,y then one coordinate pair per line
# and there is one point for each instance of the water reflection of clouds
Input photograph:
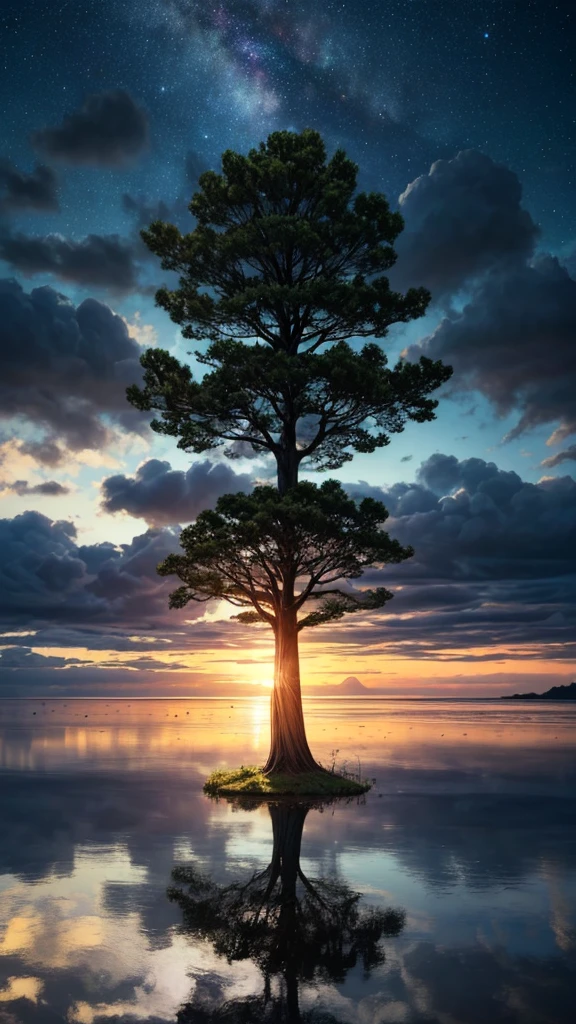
x,y
28,988
62,927
472,836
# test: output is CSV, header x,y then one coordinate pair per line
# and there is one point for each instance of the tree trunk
x,y
289,750
287,463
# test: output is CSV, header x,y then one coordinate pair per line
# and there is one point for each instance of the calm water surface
x,y
469,830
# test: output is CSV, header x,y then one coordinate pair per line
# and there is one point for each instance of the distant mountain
x,y
351,686
556,693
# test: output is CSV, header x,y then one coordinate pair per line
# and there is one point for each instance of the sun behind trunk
x,y
289,750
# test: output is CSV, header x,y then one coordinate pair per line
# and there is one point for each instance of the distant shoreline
x,y
559,694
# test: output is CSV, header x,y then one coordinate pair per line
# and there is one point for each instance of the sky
x,y
462,112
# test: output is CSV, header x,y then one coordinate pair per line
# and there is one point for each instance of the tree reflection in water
x,y
295,929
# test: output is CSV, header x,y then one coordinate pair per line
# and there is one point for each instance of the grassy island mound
x,y
252,780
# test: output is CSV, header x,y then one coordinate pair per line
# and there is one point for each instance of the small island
x,y
567,692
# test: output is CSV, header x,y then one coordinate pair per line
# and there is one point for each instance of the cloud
x,y
494,565
65,369
48,453
165,496
462,219
568,455
26,658
46,576
470,520
109,130
493,575
103,261
22,192
514,342
47,487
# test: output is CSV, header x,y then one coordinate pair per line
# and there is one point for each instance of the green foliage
x,y
284,251
286,256
330,402
273,553
253,781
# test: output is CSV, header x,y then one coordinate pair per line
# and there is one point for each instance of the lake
x,y
464,853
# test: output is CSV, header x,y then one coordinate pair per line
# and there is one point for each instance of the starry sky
x,y
463,113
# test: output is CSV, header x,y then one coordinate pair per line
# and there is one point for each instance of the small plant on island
x,y
286,264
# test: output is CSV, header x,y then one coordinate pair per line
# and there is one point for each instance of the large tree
x,y
282,277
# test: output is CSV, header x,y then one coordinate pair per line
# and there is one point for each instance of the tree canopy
x,y
283,274
285,251
331,403
275,553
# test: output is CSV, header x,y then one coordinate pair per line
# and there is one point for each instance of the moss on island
x,y
252,780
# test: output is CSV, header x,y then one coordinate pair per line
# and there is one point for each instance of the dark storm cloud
x,y
109,130
20,658
169,634
21,192
165,496
494,563
567,455
101,261
469,520
49,487
63,368
462,218
48,453
46,576
514,342
25,657
514,339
